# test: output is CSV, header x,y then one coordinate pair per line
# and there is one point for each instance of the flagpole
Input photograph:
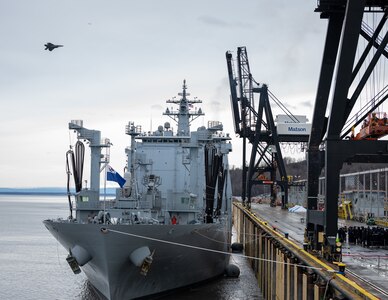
x,y
106,174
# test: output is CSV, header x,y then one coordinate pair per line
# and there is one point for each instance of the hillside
x,y
297,169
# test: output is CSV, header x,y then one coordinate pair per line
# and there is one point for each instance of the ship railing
x,y
95,205
79,123
221,135
216,125
182,208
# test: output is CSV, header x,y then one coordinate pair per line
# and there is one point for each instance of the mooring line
x,y
105,230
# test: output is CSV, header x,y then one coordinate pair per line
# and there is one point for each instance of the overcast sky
x,y
122,59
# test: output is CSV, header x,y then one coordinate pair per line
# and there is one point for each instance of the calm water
x,y
33,265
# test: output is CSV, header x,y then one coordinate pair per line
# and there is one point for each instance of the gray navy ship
x,y
169,224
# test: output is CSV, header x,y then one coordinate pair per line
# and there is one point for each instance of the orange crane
x,y
374,127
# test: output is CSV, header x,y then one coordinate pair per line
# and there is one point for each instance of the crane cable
x,y
279,104
373,90
283,107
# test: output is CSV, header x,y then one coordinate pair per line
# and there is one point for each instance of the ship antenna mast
x,y
184,115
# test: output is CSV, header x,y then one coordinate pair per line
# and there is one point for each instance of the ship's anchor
x,y
145,266
73,264
77,257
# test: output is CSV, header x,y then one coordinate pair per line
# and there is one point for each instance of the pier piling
x,y
284,270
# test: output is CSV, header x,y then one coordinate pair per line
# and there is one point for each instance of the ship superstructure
x,y
169,223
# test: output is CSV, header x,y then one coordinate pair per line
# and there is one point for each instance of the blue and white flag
x,y
112,175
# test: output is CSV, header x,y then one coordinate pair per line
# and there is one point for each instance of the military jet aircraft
x,y
51,47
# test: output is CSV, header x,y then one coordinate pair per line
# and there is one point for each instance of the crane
x,y
255,124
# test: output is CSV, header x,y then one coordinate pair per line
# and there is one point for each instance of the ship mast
x,y
184,116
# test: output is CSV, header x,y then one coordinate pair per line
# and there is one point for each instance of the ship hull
x,y
179,256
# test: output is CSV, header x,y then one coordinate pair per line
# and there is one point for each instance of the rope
x,y
214,240
105,230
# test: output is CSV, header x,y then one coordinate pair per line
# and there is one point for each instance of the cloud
x,y
307,103
130,60
213,21
157,107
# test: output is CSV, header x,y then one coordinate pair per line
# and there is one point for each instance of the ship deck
x,y
366,266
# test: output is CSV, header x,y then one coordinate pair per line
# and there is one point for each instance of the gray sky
x,y
122,59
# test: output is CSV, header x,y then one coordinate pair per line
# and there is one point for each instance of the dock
x,y
273,242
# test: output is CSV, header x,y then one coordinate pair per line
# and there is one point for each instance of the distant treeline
x,y
33,191
44,191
